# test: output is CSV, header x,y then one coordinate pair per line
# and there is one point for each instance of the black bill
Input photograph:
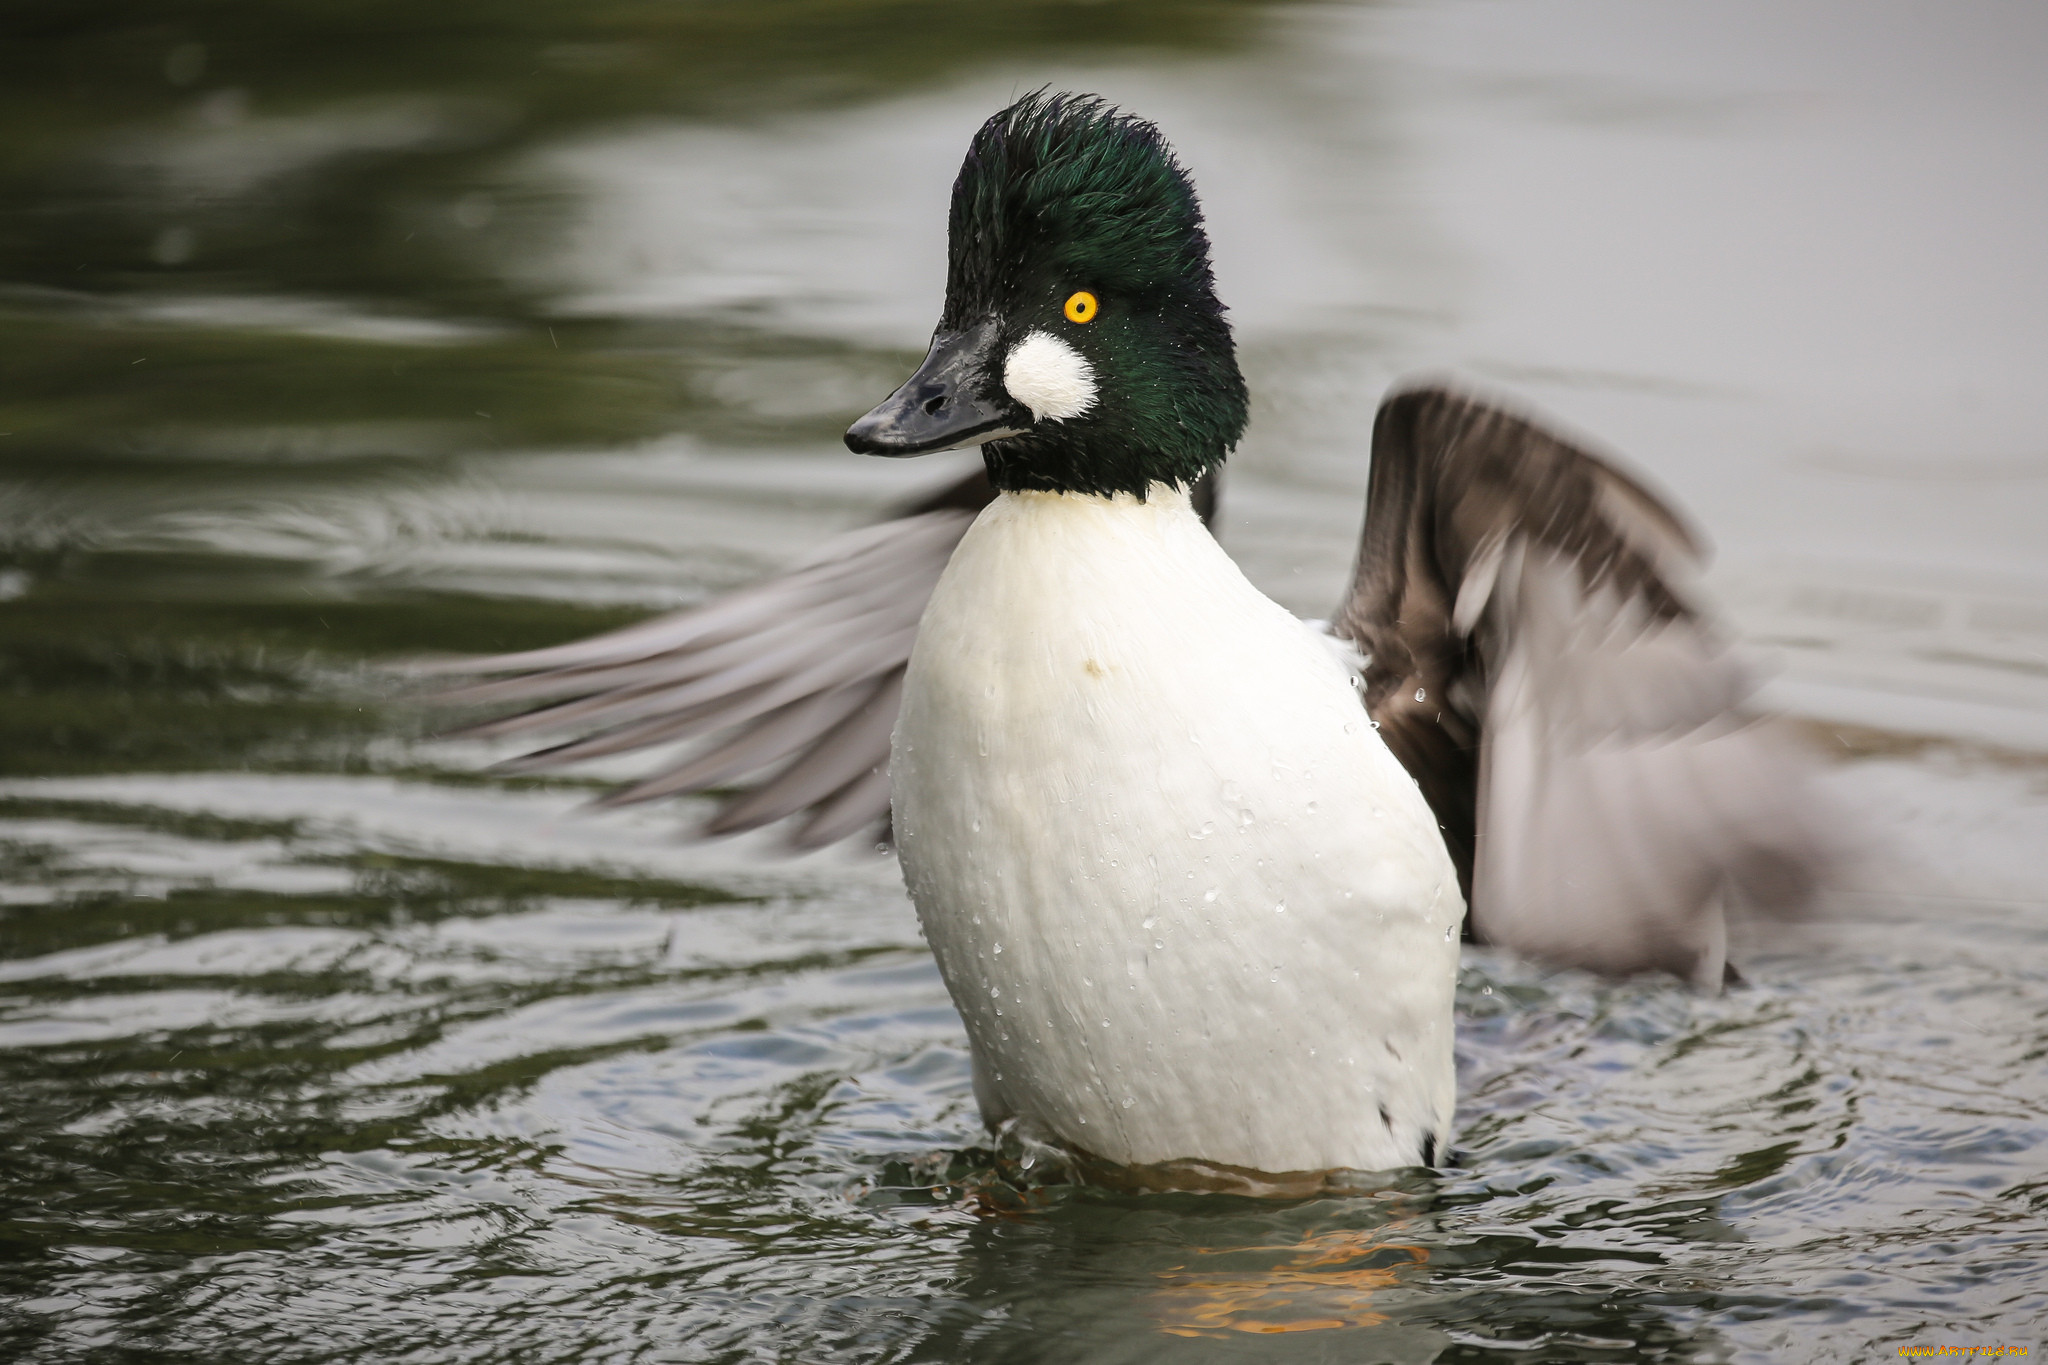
x,y
955,399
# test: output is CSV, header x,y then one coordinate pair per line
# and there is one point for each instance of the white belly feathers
x,y
1188,904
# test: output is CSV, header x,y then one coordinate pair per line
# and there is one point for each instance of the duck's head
x,y
1082,344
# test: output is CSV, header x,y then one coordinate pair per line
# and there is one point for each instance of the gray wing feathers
x,y
861,565
797,677
851,750
1623,801
1538,660
781,732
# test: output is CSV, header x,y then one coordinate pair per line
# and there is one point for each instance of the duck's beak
x,y
953,400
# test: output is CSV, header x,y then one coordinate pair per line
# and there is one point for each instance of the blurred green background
x,y
252,253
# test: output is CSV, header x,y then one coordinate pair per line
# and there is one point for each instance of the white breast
x,y
1187,902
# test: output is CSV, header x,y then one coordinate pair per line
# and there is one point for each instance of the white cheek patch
x,y
1050,377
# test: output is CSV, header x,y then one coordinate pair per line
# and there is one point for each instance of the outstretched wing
x,y
1537,660
791,684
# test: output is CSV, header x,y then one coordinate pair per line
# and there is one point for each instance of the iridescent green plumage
x,y
1061,193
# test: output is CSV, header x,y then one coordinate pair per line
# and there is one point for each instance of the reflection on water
x,y
280,1078
330,336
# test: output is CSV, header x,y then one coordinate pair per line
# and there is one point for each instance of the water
x,y
333,337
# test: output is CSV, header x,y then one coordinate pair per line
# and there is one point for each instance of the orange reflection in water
x,y
1318,1287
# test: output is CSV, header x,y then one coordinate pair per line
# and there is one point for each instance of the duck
x,y
1197,873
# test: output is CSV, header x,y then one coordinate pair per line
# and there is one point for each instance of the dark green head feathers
x,y
1062,190
1082,341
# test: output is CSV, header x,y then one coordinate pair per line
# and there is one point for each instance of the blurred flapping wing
x,y
1536,659
797,676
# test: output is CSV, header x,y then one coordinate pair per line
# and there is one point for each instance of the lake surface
x,y
334,335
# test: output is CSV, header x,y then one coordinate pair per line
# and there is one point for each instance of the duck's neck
x,y
1152,536
1100,463
1158,496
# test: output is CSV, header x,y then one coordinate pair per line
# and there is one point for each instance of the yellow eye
x,y
1081,307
